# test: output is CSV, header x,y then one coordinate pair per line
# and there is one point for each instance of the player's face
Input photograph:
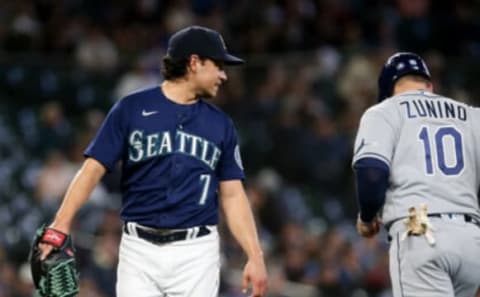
x,y
209,77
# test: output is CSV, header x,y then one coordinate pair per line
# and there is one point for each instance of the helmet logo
x,y
413,63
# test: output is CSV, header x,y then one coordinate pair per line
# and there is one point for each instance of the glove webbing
x,y
60,281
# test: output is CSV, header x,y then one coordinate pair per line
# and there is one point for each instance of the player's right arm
x,y
101,155
77,194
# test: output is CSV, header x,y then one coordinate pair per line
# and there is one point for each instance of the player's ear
x,y
193,63
430,86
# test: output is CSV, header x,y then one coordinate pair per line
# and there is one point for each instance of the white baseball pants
x,y
186,268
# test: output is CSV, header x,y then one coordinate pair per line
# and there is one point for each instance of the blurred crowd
x,y
311,72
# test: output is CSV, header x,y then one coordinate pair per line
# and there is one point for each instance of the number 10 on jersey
x,y
449,159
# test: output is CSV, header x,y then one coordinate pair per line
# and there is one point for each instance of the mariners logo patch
x,y
237,156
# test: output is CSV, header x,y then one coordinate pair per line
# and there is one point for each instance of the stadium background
x,y
311,72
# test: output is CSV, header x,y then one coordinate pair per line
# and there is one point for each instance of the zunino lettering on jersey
x,y
436,108
144,146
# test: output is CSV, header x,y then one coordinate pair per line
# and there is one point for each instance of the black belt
x,y
468,218
165,236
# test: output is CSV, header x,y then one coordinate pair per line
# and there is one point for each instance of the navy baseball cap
x,y
205,42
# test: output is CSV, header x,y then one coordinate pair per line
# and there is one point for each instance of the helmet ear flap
x,y
385,84
398,65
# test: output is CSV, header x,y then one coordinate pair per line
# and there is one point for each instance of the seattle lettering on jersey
x,y
143,146
440,109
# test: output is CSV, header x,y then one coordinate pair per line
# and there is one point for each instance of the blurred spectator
x,y
416,29
268,209
358,83
101,269
139,77
96,52
276,281
179,15
25,29
325,152
54,130
8,279
54,178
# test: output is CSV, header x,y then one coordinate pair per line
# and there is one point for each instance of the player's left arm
x,y
239,217
371,180
374,146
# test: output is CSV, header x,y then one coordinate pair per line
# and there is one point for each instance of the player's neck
x,y
179,91
406,86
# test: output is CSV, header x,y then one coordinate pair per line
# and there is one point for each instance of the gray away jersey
x,y
432,147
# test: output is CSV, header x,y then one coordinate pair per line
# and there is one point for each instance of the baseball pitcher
x,y
417,167
180,160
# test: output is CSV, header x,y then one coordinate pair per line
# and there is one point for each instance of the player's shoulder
x,y
382,113
382,108
140,94
213,108
215,111
137,97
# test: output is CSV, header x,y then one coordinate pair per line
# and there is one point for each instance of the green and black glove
x,y
56,276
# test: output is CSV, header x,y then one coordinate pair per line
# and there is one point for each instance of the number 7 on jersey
x,y
205,180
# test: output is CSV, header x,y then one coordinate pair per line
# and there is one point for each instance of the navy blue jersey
x,y
173,158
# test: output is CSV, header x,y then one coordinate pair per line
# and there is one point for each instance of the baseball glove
x,y
56,276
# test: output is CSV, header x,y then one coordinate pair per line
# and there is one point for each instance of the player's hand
x,y
46,248
368,229
256,274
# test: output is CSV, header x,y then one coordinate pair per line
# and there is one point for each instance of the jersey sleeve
x,y
377,135
230,165
108,145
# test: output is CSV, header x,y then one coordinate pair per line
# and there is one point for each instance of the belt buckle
x,y
155,231
160,237
163,232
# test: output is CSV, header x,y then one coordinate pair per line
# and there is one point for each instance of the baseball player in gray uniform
x,y
417,169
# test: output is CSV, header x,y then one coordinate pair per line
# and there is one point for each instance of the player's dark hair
x,y
176,68
173,69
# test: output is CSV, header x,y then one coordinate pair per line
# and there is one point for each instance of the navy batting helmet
x,y
398,65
